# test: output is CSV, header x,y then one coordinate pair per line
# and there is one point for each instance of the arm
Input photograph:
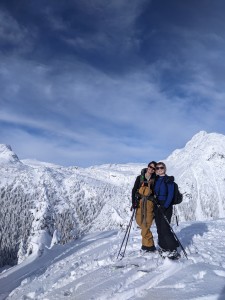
x,y
169,198
135,188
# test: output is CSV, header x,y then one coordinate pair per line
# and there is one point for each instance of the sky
x,y
92,82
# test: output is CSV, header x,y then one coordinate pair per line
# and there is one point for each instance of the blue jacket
x,y
164,191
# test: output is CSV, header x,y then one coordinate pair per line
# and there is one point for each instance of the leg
x,y
166,237
147,237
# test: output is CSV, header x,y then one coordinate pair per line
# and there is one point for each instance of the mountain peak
x,y
203,139
200,134
201,145
7,155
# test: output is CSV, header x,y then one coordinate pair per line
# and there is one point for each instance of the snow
x,y
65,227
87,268
7,156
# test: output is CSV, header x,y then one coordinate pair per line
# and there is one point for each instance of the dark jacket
x,y
164,190
137,185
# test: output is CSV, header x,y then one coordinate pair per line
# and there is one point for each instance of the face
x,y
160,170
151,169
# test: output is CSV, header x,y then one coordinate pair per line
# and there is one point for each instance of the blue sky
x,y
92,82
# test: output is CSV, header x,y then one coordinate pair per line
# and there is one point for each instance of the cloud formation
x,y
91,82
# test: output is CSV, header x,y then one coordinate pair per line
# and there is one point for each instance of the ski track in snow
x,y
88,269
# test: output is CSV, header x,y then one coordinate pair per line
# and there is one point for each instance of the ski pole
x,y
126,236
167,221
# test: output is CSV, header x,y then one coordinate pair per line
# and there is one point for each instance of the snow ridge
x,y
43,204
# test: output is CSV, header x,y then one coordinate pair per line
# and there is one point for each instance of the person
x,y
142,196
164,190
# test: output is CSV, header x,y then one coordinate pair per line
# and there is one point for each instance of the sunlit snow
x,y
63,227
88,269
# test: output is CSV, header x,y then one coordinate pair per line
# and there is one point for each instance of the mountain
x,y
43,204
7,156
199,169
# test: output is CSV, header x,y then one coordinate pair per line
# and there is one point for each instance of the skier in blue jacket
x,y
164,190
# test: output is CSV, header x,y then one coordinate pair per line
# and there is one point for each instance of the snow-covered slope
x,y
42,203
7,156
88,269
199,169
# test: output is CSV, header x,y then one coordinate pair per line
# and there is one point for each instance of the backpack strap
x,y
149,182
168,179
142,177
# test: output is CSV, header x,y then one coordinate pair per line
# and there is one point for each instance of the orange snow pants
x,y
144,219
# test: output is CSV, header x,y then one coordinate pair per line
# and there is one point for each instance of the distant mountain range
x,y
42,203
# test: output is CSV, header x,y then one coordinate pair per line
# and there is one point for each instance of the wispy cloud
x,y
100,82
10,30
14,38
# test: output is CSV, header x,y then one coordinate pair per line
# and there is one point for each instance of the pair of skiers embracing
x,y
152,197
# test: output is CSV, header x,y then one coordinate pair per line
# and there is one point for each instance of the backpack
x,y
177,196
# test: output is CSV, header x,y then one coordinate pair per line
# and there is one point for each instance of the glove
x,y
134,205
